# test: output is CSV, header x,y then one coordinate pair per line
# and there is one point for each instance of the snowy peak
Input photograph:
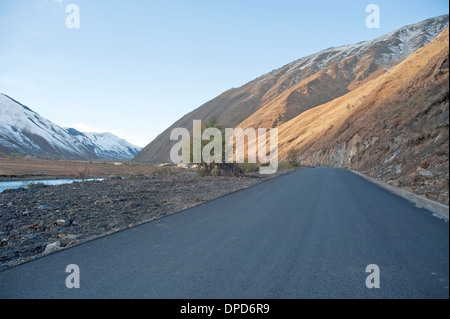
x,y
105,145
389,49
333,72
24,131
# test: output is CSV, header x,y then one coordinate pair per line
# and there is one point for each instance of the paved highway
x,y
306,234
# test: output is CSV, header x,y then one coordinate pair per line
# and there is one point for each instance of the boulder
x,y
394,182
424,172
49,248
62,222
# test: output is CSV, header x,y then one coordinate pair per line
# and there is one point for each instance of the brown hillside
x,y
319,88
282,94
395,127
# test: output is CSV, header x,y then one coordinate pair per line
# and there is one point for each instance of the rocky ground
x,y
41,219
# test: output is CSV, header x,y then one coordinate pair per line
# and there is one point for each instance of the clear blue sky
x,y
134,67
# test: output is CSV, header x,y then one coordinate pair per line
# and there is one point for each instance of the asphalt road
x,y
306,234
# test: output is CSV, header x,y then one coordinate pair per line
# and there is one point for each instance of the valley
x,y
191,216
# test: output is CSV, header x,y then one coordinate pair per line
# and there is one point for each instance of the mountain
x,y
281,95
394,128
24,131
105,145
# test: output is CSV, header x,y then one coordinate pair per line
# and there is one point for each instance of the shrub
x,y
284,165
249,167
292,158
164,170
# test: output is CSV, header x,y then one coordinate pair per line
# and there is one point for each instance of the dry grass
x,y
19,168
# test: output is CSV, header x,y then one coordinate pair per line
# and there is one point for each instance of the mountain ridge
x,y
394,128
105,145
22,130
278,96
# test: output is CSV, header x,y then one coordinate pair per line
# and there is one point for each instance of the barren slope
x,y
394,127
282,94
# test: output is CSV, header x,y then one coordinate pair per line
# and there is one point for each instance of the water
x,y
24,184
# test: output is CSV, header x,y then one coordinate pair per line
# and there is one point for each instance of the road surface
x,y
306,234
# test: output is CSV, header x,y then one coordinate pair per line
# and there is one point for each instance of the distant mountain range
x,y
24,131
105,145
283,94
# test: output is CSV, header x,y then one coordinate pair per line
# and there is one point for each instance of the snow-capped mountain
x,y
24,131
284,93
387,50
105,145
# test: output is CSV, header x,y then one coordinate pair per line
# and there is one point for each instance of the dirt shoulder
x,y
33,219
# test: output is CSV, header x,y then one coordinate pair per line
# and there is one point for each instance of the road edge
x,y
438,209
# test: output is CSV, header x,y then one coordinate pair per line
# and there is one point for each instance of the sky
x,y
134,67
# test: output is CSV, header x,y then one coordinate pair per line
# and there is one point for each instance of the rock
x,y
26,213
398,140
394,182
167,165
62,222
35,243
424,164
45,207
72,236
4,242
390,159
49,248
424,172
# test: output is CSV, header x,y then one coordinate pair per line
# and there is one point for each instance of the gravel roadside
x,y
42,219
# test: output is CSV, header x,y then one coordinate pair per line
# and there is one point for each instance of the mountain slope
x,y
24,131
282,94
395,127
105,145
336,71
